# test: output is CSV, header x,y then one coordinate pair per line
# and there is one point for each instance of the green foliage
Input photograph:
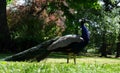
x,y
83,4
30,32
9,1
107,27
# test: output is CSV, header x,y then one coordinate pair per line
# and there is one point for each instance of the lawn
x,y
58,65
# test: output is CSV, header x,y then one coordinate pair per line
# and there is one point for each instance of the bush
x,y
28,29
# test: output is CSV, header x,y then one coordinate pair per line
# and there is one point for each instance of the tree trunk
x,y
4,30
118,47
103,48
118,50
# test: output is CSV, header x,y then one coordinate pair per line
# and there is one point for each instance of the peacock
x,y
71,44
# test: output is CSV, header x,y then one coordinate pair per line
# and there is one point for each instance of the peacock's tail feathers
x,y
40,52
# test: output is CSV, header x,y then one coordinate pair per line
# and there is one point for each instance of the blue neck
x,y
85,33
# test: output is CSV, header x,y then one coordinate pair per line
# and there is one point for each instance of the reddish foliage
x,y
36,8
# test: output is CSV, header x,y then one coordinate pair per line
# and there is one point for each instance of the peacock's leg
x,y
68,57
74,56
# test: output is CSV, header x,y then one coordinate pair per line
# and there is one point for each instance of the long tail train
x,y
39,52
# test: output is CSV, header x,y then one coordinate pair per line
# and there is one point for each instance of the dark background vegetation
x,y
35,21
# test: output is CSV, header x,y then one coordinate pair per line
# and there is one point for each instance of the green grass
x,y
58,65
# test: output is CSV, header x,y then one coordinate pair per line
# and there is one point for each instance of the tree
x,y
118,47
57,8
110,17
4,30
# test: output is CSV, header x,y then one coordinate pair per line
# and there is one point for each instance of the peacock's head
x,y
82,21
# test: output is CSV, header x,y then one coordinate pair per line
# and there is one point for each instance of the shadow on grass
x,y
81,55
3,55
62,55
57,55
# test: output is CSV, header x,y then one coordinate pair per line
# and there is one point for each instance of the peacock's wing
x,y
65,41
